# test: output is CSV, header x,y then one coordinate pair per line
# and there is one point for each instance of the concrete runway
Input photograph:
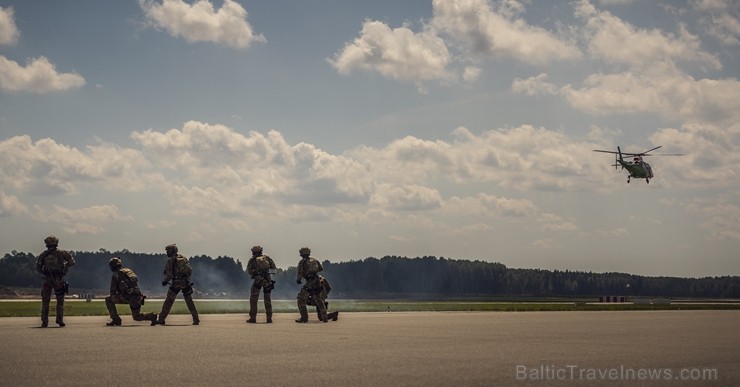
x,y
409,349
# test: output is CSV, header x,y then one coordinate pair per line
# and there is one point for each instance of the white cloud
x,y
398,54
10,205
89,220
200,22
490,206
9,34
720,218
722,22
476,25
49,168
38,76
616,41
664,90
534,86
471,73
405,198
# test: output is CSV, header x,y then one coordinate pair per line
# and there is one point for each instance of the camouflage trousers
x,y
134,302
55,284
254,296
303,296
187,294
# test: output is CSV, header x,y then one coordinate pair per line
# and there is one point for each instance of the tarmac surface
x,y
687,348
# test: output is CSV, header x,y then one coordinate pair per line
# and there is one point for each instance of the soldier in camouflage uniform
x,y
258,268
53,264
321,297
309,269
177,270
124,289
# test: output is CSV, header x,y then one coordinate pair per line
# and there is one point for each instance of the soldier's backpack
x,y
129,280
53,261
261,263
181,268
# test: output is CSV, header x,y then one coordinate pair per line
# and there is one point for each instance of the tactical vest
x,y
262,263
53,261
181,269
310,267
128,279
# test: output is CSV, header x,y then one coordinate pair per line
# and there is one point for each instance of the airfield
x,y
380,348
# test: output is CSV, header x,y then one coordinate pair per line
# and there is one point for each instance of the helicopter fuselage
x,y
637,169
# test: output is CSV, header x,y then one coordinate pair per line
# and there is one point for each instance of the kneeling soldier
x,y
124,289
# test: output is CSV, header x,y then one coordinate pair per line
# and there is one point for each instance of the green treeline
x,y
387,277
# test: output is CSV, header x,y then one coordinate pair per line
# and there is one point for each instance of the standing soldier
x,y
124,289
53,264
177,269
258,268
309,269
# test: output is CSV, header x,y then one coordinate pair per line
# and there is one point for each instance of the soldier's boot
x,y
191,307
304,314
334,316
44,314
152,317
269,319
252,317
114,323
161,319
60,314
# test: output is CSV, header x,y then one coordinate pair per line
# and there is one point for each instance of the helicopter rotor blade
x,y
648,151
667,154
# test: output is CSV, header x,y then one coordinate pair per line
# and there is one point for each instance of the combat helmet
x,y
171,248
115,263
51,240
304,251
257,250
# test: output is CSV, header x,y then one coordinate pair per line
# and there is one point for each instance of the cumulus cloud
x,y
9,33
398,54
616,41
38,76
408,197
490,206
89,220
717,215
201,22
670,93
499,32
722,21
532,86
10,205
48,168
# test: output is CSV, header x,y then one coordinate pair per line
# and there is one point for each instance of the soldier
x,y
124,289
309,268
258,268
321,297
53,264
177,269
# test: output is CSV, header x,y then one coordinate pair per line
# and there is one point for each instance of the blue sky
x,y
456,128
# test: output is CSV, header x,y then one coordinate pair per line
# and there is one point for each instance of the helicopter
x,y
637,168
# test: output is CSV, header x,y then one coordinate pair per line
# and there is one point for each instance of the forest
x,y
387,277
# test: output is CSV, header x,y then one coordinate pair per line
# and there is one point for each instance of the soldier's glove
x,y
165,283
298,282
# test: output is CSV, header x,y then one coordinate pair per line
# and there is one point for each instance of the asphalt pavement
x,y
687,348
